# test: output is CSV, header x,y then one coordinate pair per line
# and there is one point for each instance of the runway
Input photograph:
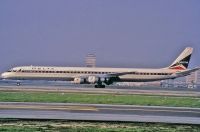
x,y
100,112
71,89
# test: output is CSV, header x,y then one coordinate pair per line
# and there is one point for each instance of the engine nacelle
x,y
92,79
79,80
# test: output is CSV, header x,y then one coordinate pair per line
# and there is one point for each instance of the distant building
x,y
198,77
140,84
178,82
193,78
167,83
90,60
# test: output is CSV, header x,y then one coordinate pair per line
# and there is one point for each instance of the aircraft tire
x,y
18,83
100,86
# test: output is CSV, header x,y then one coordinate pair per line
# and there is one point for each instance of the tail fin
x,y
182,62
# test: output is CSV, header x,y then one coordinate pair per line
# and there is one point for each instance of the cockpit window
x,y
11,70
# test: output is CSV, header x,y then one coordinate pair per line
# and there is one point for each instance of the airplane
x,y
103,76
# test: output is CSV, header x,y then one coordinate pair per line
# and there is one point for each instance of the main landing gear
x,y
99,86
18,83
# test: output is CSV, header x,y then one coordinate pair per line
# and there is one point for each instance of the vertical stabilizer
x,y
182,62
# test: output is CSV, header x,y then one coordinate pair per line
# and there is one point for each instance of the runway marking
x,y
88,108
82,108
153,110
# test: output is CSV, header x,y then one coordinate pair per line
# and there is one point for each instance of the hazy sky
x,y
122,33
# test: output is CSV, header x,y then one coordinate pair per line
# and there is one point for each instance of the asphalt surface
x,y
72,89
69,84
99,112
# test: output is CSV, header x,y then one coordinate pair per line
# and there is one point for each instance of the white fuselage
x,y
69,73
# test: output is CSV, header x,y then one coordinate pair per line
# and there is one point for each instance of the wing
x,y
117,74
110,75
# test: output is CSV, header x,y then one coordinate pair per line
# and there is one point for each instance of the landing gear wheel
x,y
18,83
99,86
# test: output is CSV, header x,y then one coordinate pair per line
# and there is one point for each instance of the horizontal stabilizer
x,y
187,72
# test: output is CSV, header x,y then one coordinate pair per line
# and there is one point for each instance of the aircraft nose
x,y
4,75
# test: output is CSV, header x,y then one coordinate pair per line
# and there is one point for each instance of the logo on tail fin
x,y
182,62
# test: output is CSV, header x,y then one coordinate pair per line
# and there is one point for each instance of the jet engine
x,y
92,79
79,80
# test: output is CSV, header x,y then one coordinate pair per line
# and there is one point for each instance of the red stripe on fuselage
x,y
177,68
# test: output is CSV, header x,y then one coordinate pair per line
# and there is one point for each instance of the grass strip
x,y
100,99
70,126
